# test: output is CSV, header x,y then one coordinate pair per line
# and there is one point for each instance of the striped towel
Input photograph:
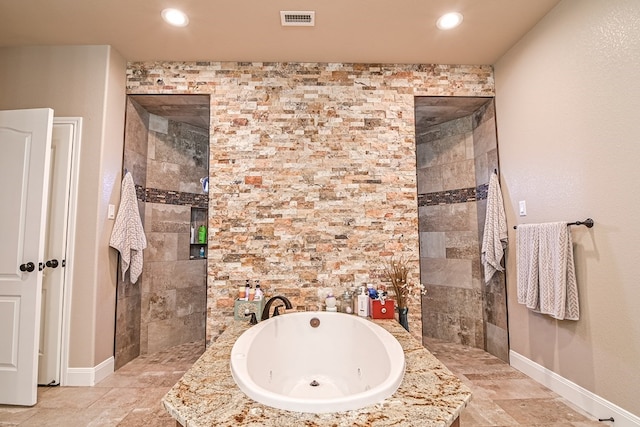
x,y
494,238
546,271
128,235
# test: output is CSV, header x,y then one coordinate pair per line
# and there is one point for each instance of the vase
x,y
403,317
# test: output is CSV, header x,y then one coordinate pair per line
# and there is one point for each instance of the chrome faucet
x,y
267,306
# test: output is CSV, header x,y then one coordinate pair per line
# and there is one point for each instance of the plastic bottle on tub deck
x,y
363,303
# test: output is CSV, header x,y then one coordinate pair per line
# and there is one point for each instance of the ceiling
x,y
352,31
363,31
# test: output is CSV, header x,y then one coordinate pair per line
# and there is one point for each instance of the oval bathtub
x,y
344,363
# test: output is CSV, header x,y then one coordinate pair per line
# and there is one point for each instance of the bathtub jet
x,y
343,363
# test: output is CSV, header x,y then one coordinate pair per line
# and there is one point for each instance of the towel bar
x,y
587,223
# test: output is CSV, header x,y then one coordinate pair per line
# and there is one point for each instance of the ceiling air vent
x,y
295,18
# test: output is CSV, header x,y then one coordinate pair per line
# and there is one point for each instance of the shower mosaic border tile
x,y
170,197
448,197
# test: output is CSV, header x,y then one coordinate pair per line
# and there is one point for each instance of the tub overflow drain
x,y
314,383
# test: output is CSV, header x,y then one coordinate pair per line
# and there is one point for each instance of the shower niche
x,y
198,234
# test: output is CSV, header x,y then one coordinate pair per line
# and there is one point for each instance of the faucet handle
x,y
276,311
253,320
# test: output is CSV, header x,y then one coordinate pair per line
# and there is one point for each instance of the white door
x,y
65,132
25,140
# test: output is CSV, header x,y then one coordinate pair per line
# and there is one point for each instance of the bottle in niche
x,y
202,252
202,234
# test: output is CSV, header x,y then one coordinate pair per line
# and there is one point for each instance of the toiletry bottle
x,y
201,251
330,302
382,294
258,293
202,234
347,304
241,291
373,294
247,291
363,303
192,238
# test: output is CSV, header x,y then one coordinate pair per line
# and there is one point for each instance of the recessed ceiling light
x,y
449,20
175,17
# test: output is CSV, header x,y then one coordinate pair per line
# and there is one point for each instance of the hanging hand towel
x,y
558,292
494,239
128,235
527,253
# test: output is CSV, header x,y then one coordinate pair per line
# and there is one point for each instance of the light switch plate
x,y
111,213
522,207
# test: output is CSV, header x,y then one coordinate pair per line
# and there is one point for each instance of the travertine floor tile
x,y
502,396
70,397
543,411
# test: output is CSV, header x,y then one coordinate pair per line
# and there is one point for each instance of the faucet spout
x,y
267,306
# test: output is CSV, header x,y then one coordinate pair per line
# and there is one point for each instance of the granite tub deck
x,y
207,395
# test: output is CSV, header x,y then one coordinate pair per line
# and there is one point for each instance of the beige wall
x,y
85,81
567,104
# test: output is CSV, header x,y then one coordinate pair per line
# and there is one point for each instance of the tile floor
x,y
502,396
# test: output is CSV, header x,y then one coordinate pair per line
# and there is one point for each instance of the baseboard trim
x,y
88,377
579,396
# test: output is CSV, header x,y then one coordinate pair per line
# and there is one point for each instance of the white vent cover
x,y
296,18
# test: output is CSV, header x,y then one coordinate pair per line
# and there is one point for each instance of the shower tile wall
x,y
448,228
315,179
128,308
494,296
172,288
455,160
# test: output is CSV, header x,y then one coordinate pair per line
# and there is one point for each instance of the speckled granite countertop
x,y
207,395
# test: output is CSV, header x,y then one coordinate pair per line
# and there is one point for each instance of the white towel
x,y
546,271
527,255
128,235
494,239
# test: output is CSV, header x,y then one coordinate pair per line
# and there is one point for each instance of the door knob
x,y
28,267
52,263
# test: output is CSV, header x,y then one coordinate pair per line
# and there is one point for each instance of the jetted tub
x,y
317,362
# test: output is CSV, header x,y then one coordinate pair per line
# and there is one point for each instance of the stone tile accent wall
x,y
312,170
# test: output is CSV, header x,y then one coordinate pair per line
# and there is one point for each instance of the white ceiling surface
x,y
352,31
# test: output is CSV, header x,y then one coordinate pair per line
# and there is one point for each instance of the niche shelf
x,y
198,248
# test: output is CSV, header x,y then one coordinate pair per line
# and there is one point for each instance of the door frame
x,y
76,122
